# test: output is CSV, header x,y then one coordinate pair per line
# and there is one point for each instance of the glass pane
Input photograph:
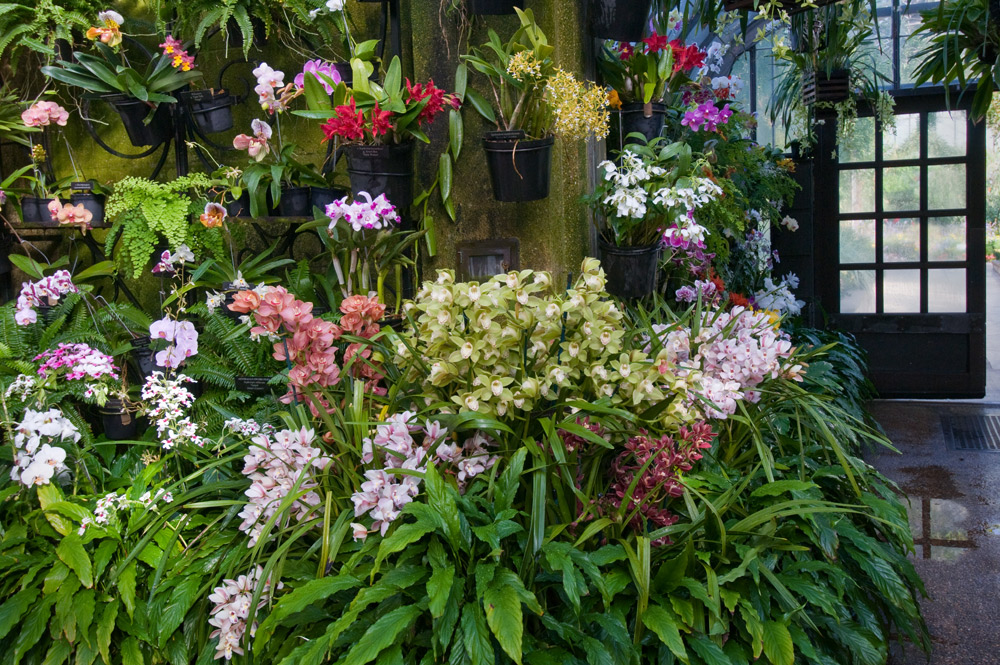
x,y
860,145
910,46
946,290
857,190
904,142
946,239
946,134
901,240
946,186
857,241
901,291
857,291
901,188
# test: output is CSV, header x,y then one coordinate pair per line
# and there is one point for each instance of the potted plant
x,y
774,7
226,275
640,75
648,200
377,125
137,95
533,102
620,20
211,110
963,46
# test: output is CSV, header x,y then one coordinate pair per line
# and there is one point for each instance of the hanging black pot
x,y
253,385
635,117
630,271
144,356
83,194
494,6
520,169
133,113
211,110
821,87
36,211
321,197
119,424
620,20
239,207
383,169
295,202
235,35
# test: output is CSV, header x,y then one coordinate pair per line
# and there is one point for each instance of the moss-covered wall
x,y
553,233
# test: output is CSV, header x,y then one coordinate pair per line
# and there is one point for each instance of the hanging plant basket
x,y
818,87
790,6
211,110
620,20
133,113
494,6
520,169
253,385
239,207
119,424
383,169
36,211
83,194
295,202
630,271
635,117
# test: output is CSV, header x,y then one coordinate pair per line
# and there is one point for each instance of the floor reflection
x,y
938,527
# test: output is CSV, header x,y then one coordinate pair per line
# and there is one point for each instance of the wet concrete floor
x,y
954,511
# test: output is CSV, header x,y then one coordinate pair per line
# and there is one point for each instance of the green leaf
x,y
301,598
182,599
782,486
439,589
664,624
126,585
778,645
382,634
479,103
441,500
131,652
456,132
503,614
105,628
475,637
58,653
444,175
401,538
70,551
33,627
15,607
709,651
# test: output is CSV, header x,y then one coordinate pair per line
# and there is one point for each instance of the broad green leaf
x,y
782,486
404,536
57,653
475,637
778,645
662,622
382,634
183,597
126,585
301,598
15,607
503,614
70,551
33,627
439,589
131,652
105,628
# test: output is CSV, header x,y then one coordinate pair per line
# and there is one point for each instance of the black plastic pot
x,y
321,197
620,20
82,194
119,424
494,6
36,211
295,202
253,385
133,113
633,118
235,35
520,169
239,207
630,271
383,169
143,355
212,110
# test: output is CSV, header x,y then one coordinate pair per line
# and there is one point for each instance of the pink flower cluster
x,y
170,400
308,342
277,466
45,291
81,360
707,289
706,116
319,69
69,214
179,57
35,460
384,494
670,455
371,214
733,353
232,610
181,335
43,113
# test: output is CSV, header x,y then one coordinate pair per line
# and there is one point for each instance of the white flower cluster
x,y
278,466
268,82
232,609
170,400
779,297
733,353
22,386
248,427
108,506
383,495
629,196
45,291
697,193
35,459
